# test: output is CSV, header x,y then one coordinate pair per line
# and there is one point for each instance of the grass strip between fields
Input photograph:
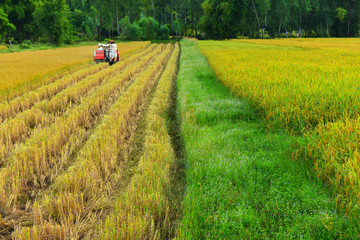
x,y
241,181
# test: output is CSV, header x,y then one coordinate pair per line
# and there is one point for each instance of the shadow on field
x,y
178,171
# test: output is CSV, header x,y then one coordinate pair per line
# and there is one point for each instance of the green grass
x,y
241,180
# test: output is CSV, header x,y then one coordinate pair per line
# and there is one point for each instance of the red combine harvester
x,y
107,53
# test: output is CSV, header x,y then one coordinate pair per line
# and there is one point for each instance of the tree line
x,y
280,18
60,21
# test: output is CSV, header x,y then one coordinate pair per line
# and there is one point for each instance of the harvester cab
x,y
107,53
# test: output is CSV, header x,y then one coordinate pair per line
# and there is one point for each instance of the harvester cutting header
x,y
107,53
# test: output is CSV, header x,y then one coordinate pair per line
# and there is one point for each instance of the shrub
x,y
154,27
177,27
164,32
124,26
135,32
106,40
150,27
28,42
312,34
201,36
25,46
69,39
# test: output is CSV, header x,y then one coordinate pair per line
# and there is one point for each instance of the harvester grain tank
x,y
107,53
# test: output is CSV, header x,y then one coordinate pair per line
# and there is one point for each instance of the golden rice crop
x,y
352,44
79,192
20,127
11,108
335,149
74,94
65,146
37,161
292,87
313,92
23,71
143,211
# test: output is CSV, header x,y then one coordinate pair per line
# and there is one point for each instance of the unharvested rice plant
x,y
66,147
309,87
311,43
35,68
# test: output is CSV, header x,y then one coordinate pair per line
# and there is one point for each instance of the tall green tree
x,y
20,15
303,8
280,16
259,10
223,19
352,17
67,20
5,25
52,17
150,27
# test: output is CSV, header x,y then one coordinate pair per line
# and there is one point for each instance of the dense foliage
x,y
281,18
59,21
